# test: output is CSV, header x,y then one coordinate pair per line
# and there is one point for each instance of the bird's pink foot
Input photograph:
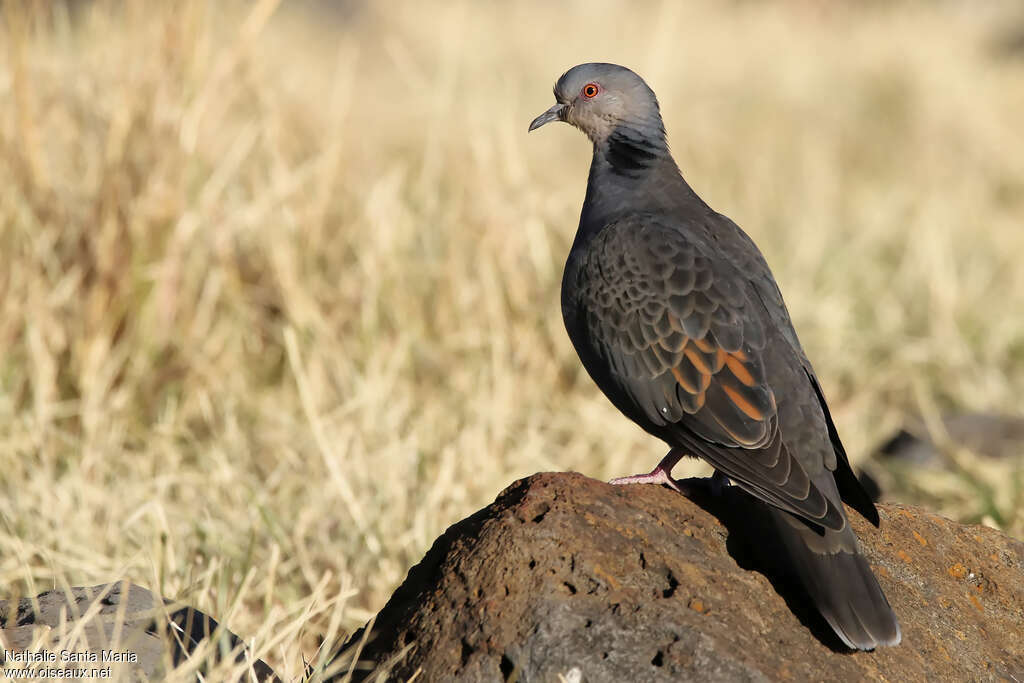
x,y
662,474
656,476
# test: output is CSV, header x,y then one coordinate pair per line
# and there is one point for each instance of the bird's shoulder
x,y
639,260
695,239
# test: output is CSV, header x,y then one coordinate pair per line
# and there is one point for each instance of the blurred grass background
x,y
279,280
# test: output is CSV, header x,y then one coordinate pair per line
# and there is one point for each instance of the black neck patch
x,y
630,152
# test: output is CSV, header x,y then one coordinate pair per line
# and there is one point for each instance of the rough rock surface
x,y
567,578
127,620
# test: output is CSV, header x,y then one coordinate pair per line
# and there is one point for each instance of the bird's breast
x,y
571,309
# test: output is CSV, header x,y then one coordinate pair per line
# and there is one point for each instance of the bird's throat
x,y
632,151
629,165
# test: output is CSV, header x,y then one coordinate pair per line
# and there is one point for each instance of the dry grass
x,y
279,297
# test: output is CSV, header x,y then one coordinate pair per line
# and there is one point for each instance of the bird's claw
x,y
656,476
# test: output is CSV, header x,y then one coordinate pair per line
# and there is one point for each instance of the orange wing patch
x,y
684,383
702,361
748,408
704,345
737,368
697,359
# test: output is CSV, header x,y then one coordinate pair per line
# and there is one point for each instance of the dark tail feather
x,y
839,582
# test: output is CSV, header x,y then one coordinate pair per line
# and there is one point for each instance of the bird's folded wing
x,y
682,342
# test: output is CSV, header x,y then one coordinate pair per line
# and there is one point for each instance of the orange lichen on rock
x,y
609,579
957,571
697,605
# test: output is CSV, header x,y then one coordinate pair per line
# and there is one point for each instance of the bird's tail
x,y
839,581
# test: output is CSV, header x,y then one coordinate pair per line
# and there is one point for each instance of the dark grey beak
x,y
556,113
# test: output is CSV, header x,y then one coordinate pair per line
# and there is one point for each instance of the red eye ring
x,y
590,90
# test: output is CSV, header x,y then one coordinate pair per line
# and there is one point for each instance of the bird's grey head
x,y
600,98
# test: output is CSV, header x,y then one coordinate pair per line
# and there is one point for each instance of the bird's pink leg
x,y
662,474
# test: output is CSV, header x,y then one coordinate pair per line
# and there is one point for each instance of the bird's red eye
x,y
589,90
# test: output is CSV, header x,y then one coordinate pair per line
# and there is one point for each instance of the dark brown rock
x,y
120,617
567,576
